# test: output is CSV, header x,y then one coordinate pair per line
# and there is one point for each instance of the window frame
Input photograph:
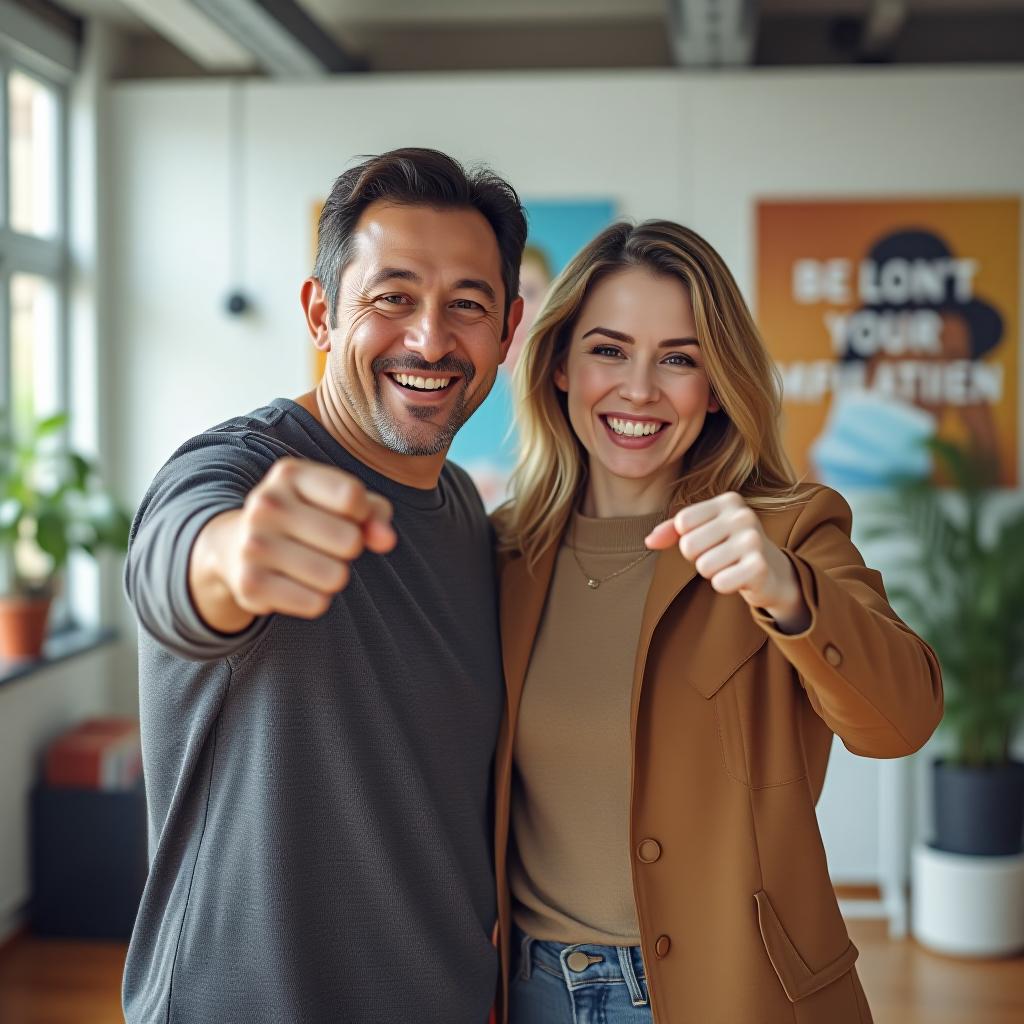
x,y
49,258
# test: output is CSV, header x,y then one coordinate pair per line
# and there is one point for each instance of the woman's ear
x,y
561,378
713,404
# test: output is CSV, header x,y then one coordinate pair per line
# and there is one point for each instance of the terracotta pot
x,y
23,626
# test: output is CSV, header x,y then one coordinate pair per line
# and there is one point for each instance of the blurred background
x,y
859,164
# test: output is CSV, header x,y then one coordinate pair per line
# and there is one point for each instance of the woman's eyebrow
x,y
619,336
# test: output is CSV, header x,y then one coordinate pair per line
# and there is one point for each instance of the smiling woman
x,y
670,717
663,316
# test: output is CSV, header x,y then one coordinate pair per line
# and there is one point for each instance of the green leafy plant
x,y
971,610
51,502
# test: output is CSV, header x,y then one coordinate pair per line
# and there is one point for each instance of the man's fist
x,y
288,549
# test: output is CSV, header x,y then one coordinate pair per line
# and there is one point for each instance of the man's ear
x,y
316,310
515,314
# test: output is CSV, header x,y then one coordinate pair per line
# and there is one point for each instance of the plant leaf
x,y
50,425
51,535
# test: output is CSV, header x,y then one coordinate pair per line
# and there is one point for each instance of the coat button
x,y
833,656
649,851
662,946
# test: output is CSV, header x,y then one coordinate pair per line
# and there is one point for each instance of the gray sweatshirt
x,y
319,792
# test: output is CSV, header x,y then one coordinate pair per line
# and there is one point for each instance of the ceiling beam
x,y
282,37
192,32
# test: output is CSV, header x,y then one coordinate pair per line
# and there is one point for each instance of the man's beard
x,y
432,440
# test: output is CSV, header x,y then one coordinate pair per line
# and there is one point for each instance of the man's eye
x,y
466,304
394,300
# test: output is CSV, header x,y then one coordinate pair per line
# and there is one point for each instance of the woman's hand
x,y
724,539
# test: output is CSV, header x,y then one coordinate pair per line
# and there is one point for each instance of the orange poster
x,y
892,321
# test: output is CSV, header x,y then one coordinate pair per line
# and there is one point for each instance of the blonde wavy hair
x,y
740,446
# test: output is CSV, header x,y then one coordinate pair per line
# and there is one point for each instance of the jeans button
x,y
579,961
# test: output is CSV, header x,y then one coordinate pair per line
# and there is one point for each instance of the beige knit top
x,y
569,867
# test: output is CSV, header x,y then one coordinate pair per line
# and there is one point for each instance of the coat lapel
x,y
522,603
672,573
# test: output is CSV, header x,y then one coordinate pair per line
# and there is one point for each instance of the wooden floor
x,y
50,982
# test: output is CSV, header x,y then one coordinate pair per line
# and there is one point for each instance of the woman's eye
x,y
606,350
678,359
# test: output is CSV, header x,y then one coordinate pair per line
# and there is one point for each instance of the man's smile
x,y
416,382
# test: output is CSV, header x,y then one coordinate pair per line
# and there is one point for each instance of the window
x,y
32,155
33,252
32,245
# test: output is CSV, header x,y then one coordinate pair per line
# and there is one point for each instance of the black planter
x,y
979,811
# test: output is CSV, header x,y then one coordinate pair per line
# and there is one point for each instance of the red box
x,y
101,753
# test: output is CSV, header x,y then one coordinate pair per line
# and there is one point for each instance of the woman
x,y
670,714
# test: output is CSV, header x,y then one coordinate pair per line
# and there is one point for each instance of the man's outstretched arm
x,y
288,549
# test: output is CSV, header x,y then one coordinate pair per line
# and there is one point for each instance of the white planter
x,y
967,906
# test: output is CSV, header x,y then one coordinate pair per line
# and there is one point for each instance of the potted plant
x,y
971,611
51,502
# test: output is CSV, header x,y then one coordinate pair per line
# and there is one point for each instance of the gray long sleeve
x,y
320,830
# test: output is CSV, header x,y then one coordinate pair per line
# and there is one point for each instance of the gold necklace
x,y
595,581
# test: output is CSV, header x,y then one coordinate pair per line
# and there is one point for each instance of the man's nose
x,y
431,338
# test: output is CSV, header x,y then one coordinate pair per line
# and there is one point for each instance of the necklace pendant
x,y
593,584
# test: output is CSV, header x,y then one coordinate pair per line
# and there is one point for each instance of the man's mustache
x,y
410,364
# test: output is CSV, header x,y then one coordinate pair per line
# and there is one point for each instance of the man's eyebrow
x,y
476,284
391,274
386,274
619,336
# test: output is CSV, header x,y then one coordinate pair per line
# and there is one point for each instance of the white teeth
x,y
630,428
423,383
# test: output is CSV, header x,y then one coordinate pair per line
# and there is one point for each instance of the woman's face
x,y
637,388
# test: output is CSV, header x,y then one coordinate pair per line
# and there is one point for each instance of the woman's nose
x,y
639,385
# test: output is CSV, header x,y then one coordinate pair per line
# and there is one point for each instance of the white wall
x,y
699,148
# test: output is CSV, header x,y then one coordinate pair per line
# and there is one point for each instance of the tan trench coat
x,y
731,728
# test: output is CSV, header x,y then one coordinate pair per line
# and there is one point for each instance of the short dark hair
x,y
417,177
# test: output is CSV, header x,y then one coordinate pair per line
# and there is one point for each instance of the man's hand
x,y
288,549
724,539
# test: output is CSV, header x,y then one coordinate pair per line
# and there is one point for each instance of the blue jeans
x,y
552,983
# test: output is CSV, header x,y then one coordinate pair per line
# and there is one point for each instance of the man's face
x,y
418,336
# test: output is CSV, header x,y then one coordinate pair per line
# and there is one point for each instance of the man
x,y
319,663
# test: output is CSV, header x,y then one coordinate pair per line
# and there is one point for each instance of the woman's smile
x,y
632,431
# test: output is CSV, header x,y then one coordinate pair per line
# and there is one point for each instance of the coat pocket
x,y
798,980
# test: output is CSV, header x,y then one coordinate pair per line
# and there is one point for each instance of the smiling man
x,y
320,680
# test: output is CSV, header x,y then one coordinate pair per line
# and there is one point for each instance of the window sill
x,y
61,646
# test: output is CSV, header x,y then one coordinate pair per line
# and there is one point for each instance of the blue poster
x,y
558,229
